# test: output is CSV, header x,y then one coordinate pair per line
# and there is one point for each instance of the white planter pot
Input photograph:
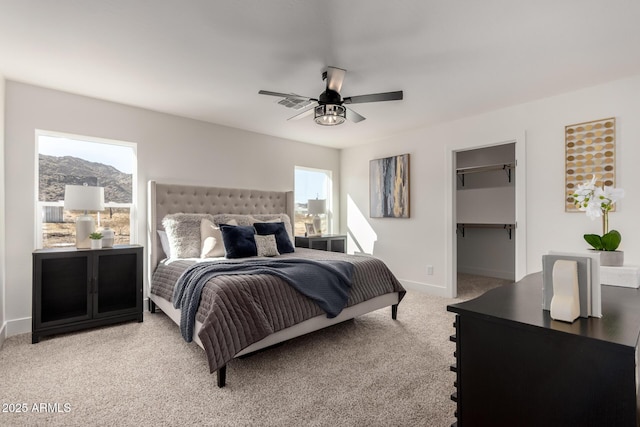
x,y
96,243
611,258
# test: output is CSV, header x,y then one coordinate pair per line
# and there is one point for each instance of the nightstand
x,y
76,289
325,242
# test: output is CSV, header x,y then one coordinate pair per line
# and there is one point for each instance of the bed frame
x,y
164,199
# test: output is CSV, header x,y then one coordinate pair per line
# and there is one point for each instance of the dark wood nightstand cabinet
x,y
325,242
515,366
77,289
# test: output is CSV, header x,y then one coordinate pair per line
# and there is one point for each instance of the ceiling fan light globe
x,y
330,114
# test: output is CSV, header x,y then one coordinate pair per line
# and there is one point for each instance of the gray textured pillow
x,y
225,218
266,245
183,231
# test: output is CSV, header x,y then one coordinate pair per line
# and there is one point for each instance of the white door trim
x,y
451,266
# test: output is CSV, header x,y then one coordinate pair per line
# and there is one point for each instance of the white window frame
x,y
329,174
133,206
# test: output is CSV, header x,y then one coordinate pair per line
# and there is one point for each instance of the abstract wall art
x,y
590,149
389,187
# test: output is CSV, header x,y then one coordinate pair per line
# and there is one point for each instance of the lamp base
x,y
317,224
84,227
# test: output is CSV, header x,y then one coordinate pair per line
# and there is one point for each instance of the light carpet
x,y
370,371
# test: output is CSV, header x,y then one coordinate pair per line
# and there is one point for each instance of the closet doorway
x,y
487,216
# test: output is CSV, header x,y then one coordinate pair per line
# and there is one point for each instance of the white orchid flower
x,y
584,194
593,210
591,185
596,201
613,194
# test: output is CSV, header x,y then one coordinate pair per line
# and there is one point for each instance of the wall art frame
x,y
590,149
310,230
389,187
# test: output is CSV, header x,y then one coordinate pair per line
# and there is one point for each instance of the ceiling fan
x,y
328,109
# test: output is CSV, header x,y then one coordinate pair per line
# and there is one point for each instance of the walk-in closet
x,y
486,211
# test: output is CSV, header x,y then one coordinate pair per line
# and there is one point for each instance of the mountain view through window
x,y
65,161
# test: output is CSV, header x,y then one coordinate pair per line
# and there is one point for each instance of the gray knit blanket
x,y
327,283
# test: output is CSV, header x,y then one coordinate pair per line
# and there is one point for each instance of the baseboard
x,y
426,288
3,334
18,326
499,274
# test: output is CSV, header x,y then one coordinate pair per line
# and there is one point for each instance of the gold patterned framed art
x,y
590,149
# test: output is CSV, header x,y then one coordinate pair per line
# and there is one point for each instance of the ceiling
x,y
207,59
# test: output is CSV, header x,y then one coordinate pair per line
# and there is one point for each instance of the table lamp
x,y
83,198
317,207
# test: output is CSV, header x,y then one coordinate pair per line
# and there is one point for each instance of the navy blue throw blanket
x,y
327,283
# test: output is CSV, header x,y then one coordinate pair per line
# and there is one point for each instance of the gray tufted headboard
x,y
166,199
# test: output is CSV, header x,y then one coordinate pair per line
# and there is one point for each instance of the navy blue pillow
x,y
238,241
282,238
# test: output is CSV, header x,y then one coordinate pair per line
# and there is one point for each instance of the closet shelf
x,y
461,172
508,227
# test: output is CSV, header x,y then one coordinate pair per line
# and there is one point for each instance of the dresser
x,y
515,366
77,289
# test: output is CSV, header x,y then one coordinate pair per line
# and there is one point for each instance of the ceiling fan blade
x,y
353,116
335,77
305,113
285,95
374,97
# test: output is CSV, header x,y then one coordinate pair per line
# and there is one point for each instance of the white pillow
x,y
164,242
211,237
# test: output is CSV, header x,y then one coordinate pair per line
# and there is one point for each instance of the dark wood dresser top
x,y
521,302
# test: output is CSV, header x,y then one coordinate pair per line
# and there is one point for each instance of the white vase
x,y
96,243
565,304
108,237
611,258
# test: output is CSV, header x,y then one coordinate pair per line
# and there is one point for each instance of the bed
x,y
236,315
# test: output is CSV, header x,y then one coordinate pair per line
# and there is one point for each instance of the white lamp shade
x,y
317,206
83,198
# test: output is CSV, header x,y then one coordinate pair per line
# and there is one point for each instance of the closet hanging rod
x,y
486,168
507,167
508,227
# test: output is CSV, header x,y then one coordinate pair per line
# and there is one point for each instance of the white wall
x,y
2,216
170,149
409,245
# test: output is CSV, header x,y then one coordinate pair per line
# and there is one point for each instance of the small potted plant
x,y
597,202
96,240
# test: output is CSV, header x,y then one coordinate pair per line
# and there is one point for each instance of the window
x,y
76,160
312,184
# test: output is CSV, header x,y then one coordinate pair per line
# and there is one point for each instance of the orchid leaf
x,y
611,240
595,241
